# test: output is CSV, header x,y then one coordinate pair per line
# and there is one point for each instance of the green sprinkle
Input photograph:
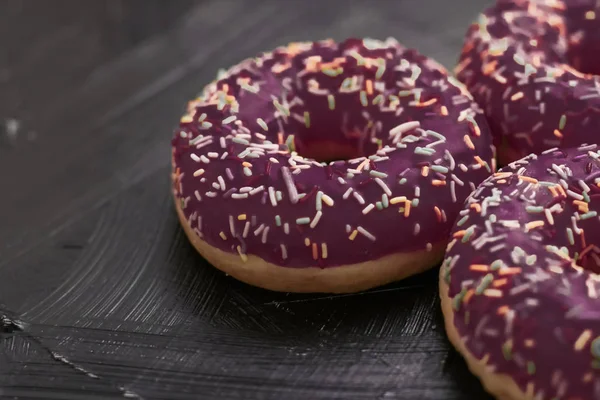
x,y
595,347
363,98
534,209
570,236
596,364
424,151
468,234
378,99
496,265
484,284
240,141
380,68
586,197
278,196
333,72
530,367
530,260
415,202
589,214
404,93
277,220
402,181
247,171
457,300
563,122
303,221
319,204
349,175
346,84
331,101
379,205
377,174
439,168
289,142
493,218
307,119
385,201
462,220
507,350
262,124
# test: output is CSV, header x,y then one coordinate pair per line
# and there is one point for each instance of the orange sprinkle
x,y
479,267
438,182
582,234
459,234
500,282
406,208
561,190
468,296
476,206
552,191
280,138
425,171
247,164
501,181
517,96
369,85
502,174
528,179
480,161
462,65
510,271
315,251
489,68
469,143
438,213
444,110
427,103
353,235
558,134
529,343
242,217
534,224
503,310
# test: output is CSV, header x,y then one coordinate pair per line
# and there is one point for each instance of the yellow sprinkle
x,y
198,172
444,110
353,235
242,255
492,293
396,200
528,179
223,235
242,217
583,339
534,224
425,171
186,119
327,200
469,143
324,250
590,14
306,242
517,96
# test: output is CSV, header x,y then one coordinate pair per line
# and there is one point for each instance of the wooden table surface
x,y
101,296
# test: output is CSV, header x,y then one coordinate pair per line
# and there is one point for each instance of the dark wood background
x,y
101,296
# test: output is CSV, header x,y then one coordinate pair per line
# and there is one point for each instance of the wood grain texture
x,y
101,296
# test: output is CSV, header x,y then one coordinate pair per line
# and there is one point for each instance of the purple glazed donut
x,y
534,67
325,167
520,284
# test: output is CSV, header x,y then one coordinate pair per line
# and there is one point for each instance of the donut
x,y
534,68
520,283
328,167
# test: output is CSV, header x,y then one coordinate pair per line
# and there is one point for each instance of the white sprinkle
x,y
316,219
229,174
257,190
239,195
385,187
289,183
264,235
262,124
405,127
283,251
368,208
258,230
347,193
194,157
197,194
246,229
221,182
286,228
274,160
366,233
272,196
222,142
229,119
453,191
358,197
231,225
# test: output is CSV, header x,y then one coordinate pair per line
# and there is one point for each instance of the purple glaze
x,y
529,64
523,273
354,94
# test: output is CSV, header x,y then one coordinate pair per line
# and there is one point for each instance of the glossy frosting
x,y
419,142
531,65
523,267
